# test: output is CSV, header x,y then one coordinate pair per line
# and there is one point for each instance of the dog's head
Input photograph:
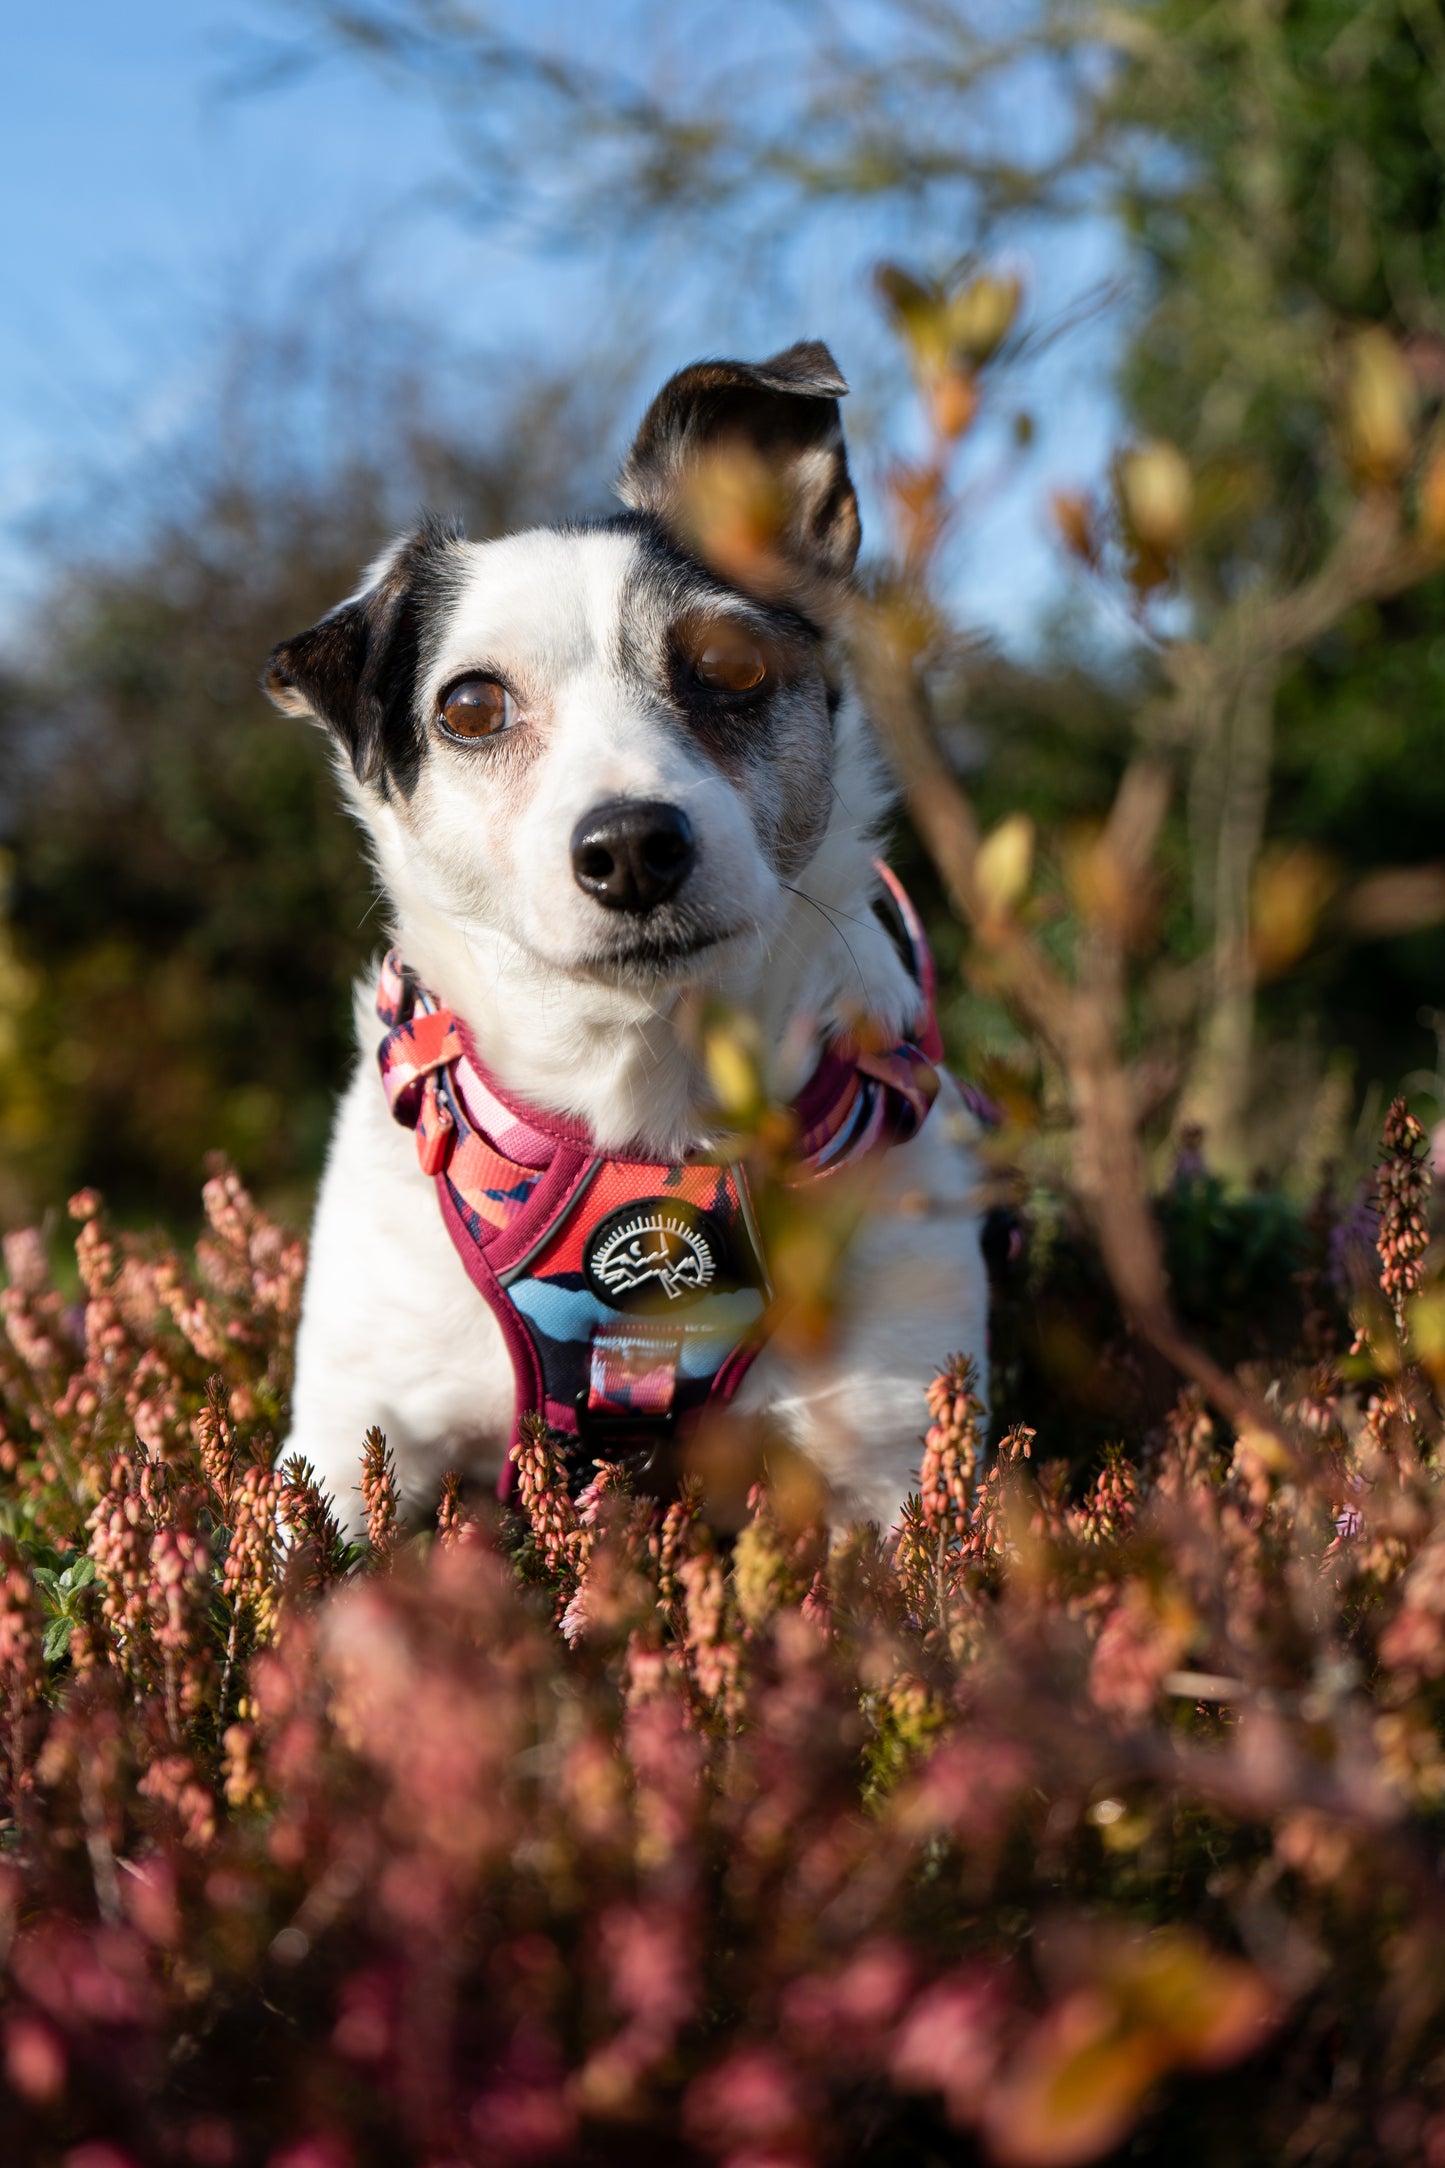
x,y
614,743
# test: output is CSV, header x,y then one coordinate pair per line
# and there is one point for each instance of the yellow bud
x,y
1291,889
1097,883
732,1071
1380,408
803,1260
1262,1449
1427,1331
1156,495
981,315
919,314
1005,863
735,512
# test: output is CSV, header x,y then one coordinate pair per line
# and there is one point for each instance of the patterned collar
x,y
495,1146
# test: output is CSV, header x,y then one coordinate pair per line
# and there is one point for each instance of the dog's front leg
x,y
914,1290
392,1331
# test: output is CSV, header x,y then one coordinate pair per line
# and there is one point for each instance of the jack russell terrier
x,y
610,773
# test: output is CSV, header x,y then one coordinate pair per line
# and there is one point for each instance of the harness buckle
x,y
624,1434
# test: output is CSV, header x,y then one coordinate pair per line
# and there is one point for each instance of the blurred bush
x,y
1289,345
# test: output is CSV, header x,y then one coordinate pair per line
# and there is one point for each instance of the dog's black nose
x,y
632,854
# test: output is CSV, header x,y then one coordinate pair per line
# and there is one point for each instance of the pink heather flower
x,y
365,2030
21,1629
120,1532
853,2006
714,1653
542,1491
173,1781
753,2096
1138,1644
250,1569
26,1263
1110,1507
677,1539
378,1494
322,2152
28,1331
241,1764
34,2058
520,2123
85,1976
952,1448
970,1784
951,2041
649,1955
817,1606
180,1570
1403,1192
453,1522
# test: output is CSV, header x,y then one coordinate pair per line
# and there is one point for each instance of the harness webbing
x,y
631,1292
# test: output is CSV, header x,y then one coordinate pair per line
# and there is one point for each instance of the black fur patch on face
x,y
777,420
667,601
357,670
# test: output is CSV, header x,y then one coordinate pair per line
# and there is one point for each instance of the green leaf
x,y
57,1639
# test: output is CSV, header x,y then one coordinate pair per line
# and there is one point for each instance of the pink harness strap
x,y
631,1292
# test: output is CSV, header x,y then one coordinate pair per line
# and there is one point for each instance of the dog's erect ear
x,y
356,670
744,462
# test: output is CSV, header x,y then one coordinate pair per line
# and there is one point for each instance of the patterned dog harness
x,y
631,1292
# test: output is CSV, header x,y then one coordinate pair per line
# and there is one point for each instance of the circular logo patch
x,y
657,1254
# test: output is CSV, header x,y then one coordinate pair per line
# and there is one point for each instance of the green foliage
x,y
61,1592
1290,194
1249,1271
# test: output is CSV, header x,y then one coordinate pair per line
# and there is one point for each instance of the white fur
x,y
485,909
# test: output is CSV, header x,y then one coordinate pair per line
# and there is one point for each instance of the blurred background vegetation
x,y
1257,596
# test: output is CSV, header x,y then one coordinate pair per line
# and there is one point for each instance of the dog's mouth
x,y
661,953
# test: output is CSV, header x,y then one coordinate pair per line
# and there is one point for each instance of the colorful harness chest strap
x,y
631,1292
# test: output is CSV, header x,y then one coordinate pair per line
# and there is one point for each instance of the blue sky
x,y
148,201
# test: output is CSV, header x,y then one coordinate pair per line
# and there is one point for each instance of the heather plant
x,y
689,1827
577,1830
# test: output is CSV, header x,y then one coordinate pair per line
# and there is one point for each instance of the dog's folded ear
x,y
355,671
744,463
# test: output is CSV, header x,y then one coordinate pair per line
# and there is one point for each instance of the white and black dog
x,y
599,777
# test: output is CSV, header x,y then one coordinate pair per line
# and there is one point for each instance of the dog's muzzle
x,y
632,854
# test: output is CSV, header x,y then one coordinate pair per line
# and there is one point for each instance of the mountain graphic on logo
x,y
652,1248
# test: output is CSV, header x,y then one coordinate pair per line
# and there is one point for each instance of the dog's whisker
x,y
375,905
825,911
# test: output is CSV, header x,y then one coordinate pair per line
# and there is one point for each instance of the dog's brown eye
x,y
476,708
729,660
